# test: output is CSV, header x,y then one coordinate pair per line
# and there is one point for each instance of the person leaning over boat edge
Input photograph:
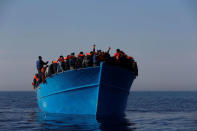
x,y
35,82
39,64
43,75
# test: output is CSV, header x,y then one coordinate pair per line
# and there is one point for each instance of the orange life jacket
x,y
36,78
34,86
117,55
88,53
80,55
43,74
61,60
54,61
43,70
71,57
65,58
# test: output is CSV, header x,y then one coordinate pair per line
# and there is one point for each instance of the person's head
x,y
61,56
73,54
81,52
98,52
117,50
40,57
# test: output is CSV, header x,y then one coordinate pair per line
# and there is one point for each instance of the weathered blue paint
x,y
114,88
99,90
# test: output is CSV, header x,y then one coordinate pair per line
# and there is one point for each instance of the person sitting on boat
x,y
40,63
93,57
62,63
79,60
94,48
43,75
66,59
35,82
98,57
106,56
72,61
88,61
117,54
51,69
55,64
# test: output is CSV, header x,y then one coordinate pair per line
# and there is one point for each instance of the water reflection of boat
x,y
101,91
50,121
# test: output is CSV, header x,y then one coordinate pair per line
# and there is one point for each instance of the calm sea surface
x,y
146,111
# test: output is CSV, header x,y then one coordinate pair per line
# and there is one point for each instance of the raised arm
x,y
109,48
94,47
44,63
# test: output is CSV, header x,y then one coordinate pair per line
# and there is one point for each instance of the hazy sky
x,y
160,35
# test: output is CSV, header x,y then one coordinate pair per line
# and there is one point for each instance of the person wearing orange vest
x,y
72,61
60,59
62,63
66,59
43,77
79,60
35,81
81,54
117,54
52,69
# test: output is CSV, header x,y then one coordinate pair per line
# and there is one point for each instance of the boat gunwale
x,y
60,73
100,66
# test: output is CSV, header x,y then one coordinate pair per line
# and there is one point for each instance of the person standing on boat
x,y
72,61
117,54
62,63
66,59
106,55
94,55
39,64
79,60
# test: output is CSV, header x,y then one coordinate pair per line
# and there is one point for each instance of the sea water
x,y
146,111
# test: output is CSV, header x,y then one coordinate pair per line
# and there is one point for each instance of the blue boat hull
x,y
99,91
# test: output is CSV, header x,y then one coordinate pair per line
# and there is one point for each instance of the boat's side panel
x,y
115,83
69,80
71,92
81,101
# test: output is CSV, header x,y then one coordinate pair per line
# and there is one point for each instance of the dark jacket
x,y
40,64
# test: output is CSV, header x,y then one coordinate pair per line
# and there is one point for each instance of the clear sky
x,y
160,34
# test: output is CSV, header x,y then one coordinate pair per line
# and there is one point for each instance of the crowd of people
x,y
93,58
